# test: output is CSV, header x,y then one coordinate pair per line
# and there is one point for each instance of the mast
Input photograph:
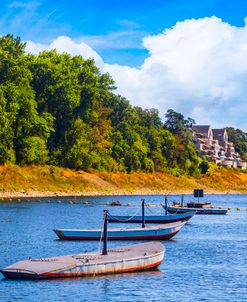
x,y
166,204
143,213
105,237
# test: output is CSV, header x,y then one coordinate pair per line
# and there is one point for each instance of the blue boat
x,y
162,219
159,232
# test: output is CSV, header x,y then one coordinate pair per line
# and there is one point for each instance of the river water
x,y
206,260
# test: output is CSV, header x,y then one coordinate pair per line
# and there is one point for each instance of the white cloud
x,y
198,68
64,44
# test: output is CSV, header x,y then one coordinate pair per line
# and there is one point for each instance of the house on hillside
x,y
214,144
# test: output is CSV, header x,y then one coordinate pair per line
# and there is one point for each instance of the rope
x,y
101,236
121,220
149,209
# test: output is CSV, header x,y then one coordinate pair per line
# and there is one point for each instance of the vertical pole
x,y
166,204
105,237
182,200
143,213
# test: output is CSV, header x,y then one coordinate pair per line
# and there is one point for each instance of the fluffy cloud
x,y
64,44
198,68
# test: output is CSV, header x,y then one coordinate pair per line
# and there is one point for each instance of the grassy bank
x,y
18,181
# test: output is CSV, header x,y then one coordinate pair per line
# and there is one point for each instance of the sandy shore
x,y
34,194
6,195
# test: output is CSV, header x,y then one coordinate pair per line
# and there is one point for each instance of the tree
x,y
56,85
61,109
7,153
185,151
78,154
204,166
239,139
176,123
18,105
33,151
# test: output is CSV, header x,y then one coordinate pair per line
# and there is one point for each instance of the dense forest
x,y
61,110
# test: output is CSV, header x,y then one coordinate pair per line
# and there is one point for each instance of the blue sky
x,y
188,55
122,24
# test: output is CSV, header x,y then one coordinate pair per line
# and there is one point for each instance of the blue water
x,y
206,261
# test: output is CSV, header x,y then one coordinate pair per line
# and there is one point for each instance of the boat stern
x,y
59,234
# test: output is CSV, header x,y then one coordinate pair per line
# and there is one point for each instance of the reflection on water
x,y
206,261
107,278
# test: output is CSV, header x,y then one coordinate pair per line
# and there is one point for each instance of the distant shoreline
x,y
5,196
47,181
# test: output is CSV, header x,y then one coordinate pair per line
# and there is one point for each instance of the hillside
x,y
16,181
59,109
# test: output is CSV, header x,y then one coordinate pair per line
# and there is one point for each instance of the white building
x,y
214,144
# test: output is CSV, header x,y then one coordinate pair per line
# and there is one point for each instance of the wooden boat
x,y
164,231
152,218
123,259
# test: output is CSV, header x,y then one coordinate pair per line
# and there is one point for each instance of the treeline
x,y
239,139
60,110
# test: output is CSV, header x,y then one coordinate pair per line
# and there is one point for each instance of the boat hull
x,y
126,259
162,219
160,232
205,211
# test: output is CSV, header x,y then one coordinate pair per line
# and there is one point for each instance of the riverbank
x,y
42,181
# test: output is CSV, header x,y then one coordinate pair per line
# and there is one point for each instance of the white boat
x,y
123,259
163,231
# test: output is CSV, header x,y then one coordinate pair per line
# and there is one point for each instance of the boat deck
x,y
42,266
123,229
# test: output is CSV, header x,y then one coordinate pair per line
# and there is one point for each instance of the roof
x,y
218,133
201,128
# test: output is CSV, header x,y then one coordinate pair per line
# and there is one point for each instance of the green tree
x,y
204,166
56,85
78,155
176,123
239,139
7,153
185,152
18,104
61,109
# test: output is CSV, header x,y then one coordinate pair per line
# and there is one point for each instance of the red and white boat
x,y
123,259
